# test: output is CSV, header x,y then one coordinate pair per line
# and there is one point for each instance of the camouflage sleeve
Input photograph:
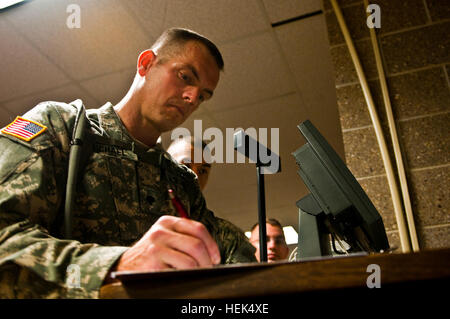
x,y
33,263
234,245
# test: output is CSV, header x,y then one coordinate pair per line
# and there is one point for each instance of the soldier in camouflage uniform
x,y
123,218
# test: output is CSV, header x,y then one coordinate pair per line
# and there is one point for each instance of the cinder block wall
x,y
414,42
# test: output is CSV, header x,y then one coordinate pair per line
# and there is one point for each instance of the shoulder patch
x,y
24,129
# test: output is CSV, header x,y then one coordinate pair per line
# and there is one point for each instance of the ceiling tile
x,y
99,46
283,10
268,113
24,69
221,21
235,204
306,40
111,87
65,94
150,14
226,176
284,113
254,71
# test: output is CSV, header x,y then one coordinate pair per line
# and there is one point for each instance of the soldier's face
x,y
184,153
277,248
174,89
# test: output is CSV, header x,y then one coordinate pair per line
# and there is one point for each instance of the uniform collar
x,y
112,124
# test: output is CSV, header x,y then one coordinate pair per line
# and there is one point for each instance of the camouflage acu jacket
x,y
120,194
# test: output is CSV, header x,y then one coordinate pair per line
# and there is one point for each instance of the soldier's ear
x,y
145,61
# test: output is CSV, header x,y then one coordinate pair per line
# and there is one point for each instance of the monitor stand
x,y
313,237
314,240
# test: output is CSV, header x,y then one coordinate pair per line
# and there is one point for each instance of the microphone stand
x,y
261,214
241,144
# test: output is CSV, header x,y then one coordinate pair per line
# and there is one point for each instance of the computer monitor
x,y
337,205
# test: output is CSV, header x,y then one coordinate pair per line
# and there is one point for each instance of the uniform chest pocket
x,y
95,216
153,191
139,195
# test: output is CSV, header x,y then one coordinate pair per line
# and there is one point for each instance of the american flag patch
x,y
24,129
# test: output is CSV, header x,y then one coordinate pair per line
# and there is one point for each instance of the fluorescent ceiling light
x,y
289,233
8,3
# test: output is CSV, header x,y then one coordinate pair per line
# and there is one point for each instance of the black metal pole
x,y
261,215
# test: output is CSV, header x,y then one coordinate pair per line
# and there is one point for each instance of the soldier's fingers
x,y
192,247
198,230
143,257
179,239
160,257
177,259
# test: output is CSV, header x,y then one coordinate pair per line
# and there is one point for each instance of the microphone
x,y
257,152
267,162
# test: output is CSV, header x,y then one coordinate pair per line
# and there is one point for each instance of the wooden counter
x,y
424,269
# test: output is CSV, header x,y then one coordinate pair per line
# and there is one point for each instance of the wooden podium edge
x,y
290,278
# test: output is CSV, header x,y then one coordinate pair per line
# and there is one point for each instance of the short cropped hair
x,y
172,40
270,221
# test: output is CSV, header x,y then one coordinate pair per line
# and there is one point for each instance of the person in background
x,y
182,150
277,248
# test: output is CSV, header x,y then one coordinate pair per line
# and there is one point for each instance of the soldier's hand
x,y
172,242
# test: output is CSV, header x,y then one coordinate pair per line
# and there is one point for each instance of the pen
x,y
178,205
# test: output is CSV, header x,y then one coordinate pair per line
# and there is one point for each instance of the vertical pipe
x,y
394,138
404,240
